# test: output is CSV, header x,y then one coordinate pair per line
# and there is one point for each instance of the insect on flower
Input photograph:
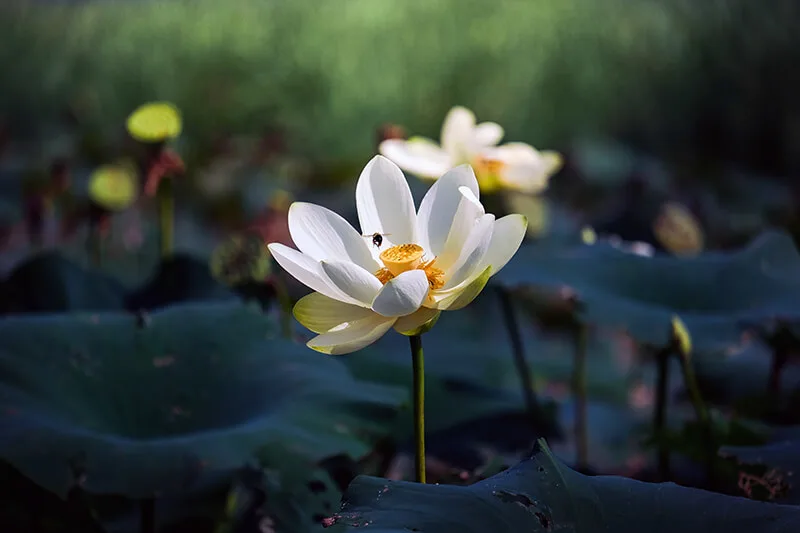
x,y
377,238
439,257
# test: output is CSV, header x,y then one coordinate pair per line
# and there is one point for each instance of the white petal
x,y
535,209
384,202
407,324
352,280
553,161
524,168
324,235
487,134
421,157
438,208
462,294
473,252
320,313
351,336
507,236
402,295
307,271
469,211
457,132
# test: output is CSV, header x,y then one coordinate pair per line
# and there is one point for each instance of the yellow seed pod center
x,y
402,258
155,122
113,187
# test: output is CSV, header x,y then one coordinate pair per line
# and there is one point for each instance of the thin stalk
x,y
701,411
94,245
523,370
779,359
418,366
579,393
147,515
690,380
96,221
660,412
166,217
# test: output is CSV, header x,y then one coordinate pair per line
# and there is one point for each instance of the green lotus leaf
x,y
741,379
50,283
240,259
713,293
542,495
781,456
165,404
285,491
473,391
180,278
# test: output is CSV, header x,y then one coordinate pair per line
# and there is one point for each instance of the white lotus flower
x,y
437,259
515,166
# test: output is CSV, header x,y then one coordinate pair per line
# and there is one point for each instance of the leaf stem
x,y
523,370
700,409
660,412
166,217
94,245
579,392
690,381
418,366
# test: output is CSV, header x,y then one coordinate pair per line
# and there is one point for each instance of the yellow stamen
x,y
405,257
401,258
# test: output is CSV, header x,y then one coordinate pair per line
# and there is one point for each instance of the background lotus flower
x,y
424,262
515,166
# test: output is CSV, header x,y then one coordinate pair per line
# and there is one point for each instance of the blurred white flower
x,y
435,259
515,166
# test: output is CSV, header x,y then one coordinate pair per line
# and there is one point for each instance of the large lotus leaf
x,y
541,495
473,390
713,293
181,278
741,378
145,407
281,489
782,454
287,493
50,283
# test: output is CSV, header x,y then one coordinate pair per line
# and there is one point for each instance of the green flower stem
x,y
147,515
166,217
690,381
780,357
701,411
660,412
523,370
579,392
94,245
94,237
418,365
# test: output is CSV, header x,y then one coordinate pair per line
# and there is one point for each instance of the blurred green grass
x,y
330,72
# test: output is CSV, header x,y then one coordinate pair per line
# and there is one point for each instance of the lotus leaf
x,y
541,495
713,293
164,404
